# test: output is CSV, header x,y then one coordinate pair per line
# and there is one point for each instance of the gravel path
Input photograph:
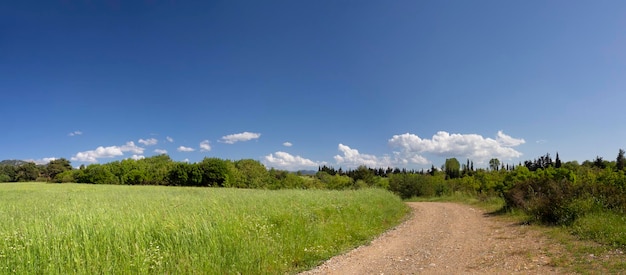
x,y
448,238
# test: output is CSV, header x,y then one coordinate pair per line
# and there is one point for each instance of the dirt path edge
x,y
448,238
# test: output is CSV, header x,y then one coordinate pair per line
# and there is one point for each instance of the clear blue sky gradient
x,y
317,74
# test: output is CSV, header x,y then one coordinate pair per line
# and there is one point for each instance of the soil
x,y
449,238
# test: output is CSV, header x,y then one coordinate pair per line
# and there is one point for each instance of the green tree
x,y
214,172
57,166
157,168
432,170
27,172
599,162
135,177
185,174
621,160
365,174
8,173
494,164
98,174
254,173
452,168
64,177
336,182
177,176
5,178
557,161
405,185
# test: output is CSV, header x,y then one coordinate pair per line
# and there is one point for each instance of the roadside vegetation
x,y
93,229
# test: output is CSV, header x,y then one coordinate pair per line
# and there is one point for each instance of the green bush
x,y
64,177
546,200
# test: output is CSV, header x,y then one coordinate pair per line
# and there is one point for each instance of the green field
x,y
95,229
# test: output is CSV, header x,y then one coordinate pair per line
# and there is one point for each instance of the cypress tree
x,y
621,160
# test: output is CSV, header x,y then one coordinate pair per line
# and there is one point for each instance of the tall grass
x,y
606,227
91,229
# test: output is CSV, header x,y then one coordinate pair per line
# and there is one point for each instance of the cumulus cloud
x,y
287,161
131,147
287,144
160,151
245,136
353,158
508,141
406,158
169,139
75,133
100,152
205,146
185,149
148,142
137,157
443,144
107,152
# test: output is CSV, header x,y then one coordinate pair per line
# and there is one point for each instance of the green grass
x,y
584,256
605,227
95,229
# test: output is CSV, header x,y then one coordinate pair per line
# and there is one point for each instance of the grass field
x,y
95,229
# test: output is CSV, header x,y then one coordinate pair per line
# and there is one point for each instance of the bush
x,y
609,196
547,200
405,185
5,178
64,177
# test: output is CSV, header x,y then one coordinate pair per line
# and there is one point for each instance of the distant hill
x,y
307,172
12,162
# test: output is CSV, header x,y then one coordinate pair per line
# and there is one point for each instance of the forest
x,y
549,190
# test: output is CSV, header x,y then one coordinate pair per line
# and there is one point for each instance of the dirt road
x,y
448,238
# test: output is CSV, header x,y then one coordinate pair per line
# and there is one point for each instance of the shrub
x,y
546,200
64,177
5,178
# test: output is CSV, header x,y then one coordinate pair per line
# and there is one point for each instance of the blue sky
x,y
297,84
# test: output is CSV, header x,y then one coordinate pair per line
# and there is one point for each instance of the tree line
x,y
551,190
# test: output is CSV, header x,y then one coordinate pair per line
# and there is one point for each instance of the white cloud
x,y
160,151
169,139
245,136
186,160
148,142
137,157
283,160
352,158
100,152
205,145
508,141
287,144
130,146
75,133
472,146
185,149
405,158
107,152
